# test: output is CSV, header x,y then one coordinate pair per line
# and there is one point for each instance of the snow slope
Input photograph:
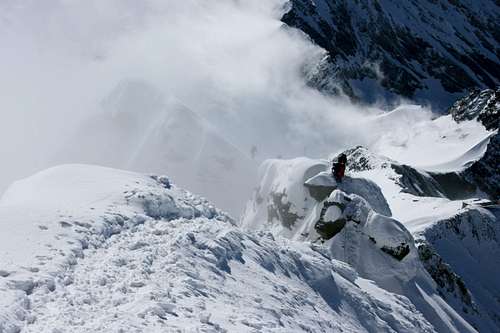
x,y
92,249
141,129
425,141
457,238
292,198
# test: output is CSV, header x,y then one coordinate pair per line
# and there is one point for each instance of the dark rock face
x,y
402,47
486,172
447,280
485,107
399,252
281,210
481,105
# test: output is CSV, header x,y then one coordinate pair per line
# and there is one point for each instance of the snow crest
x,y
92,249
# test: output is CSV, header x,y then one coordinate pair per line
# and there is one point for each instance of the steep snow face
x,y
95,249
411,135
461,252
447,231
140,129
462,157
292,203
427,50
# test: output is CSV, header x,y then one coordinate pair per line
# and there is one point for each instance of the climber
x,y
338,168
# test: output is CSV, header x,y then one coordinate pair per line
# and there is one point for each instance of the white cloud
x,y
231,61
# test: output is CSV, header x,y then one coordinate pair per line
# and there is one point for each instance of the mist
x,y
231,65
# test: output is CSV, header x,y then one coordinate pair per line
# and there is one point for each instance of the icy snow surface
x,y
92,249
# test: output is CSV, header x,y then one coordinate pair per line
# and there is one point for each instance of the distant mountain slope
x,y
142,130
431,50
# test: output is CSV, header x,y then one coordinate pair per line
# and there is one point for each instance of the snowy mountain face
x,y
378,247
92,249
449,206
424,50
442,211
140,129
449,226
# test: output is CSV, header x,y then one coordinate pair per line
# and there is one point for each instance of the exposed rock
x,y
461,254
481,105
442,273
485,172
485,107
431,50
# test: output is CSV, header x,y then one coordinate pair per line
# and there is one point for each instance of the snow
x,y
470,156
324,179
123,252
164,137
427,143
467,241
367,231
49,219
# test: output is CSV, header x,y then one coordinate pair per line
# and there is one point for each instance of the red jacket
x,y
338,171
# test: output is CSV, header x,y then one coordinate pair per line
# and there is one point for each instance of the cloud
x,y
232,62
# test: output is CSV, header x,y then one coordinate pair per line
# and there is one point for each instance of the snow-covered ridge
x,y
50,219
450,214
456,232
93,249
148,131
296,197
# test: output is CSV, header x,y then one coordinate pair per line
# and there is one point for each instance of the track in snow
x,y
203,275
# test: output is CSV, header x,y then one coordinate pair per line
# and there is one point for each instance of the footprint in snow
x,y
137,284
137,246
